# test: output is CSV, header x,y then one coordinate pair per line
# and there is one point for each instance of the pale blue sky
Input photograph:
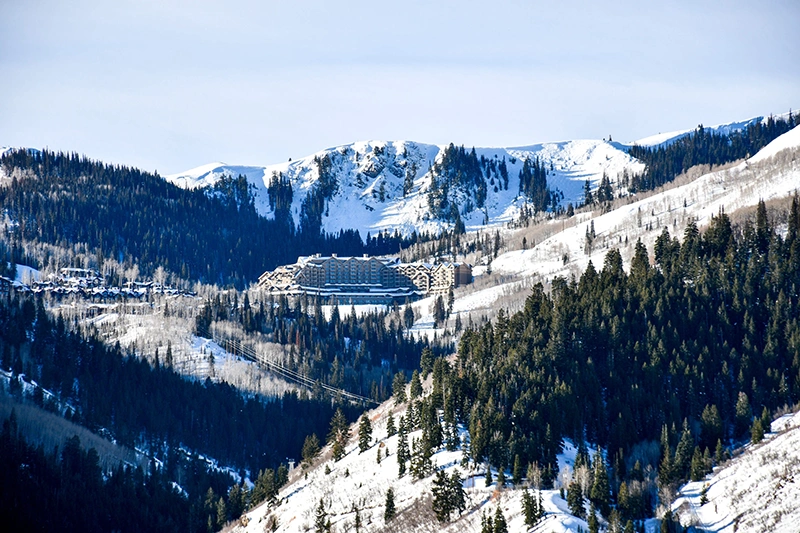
x,y
171,85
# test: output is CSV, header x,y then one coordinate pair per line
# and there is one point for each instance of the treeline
x,y
357,353
152,407
136,217
703,147
48,491
66,489
688,352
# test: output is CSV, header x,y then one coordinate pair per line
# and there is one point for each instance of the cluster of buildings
x,y
88,284
364,279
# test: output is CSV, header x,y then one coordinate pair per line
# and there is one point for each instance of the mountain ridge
x,y
389,185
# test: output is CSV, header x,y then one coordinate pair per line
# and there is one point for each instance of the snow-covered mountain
x,y
370,178
756,491
723,129
386,185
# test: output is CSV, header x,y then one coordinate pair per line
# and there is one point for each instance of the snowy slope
x,y
772,173
362,168
757,491
730,127
358,480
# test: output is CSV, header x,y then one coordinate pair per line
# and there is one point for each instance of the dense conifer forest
x,y
147,406
153,408
356,353
687,350
49,491
703,147
65,489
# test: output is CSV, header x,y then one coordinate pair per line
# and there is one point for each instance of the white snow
x,y
727,128
27,275
357,479
790,139
759,490
363,168
700,199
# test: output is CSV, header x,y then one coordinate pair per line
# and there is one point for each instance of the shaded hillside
x,y
152,407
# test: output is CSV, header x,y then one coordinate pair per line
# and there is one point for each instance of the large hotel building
x,y
364,279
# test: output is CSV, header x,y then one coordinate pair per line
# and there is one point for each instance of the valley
x,y
576,312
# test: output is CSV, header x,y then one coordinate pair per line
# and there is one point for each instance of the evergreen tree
x,y
337,436
458,498
322,523
594,523
744,414
311,449
600,494
711,426
501,477
416,385
391,430
683,453
487,524
698,469
439,311
399,388
364,433
624,500
516,476
426,361
237,500
588,198
529,509
575,499
421,453
766,419
665,469
719,452
222,513
448,495
389,511
403,453
500,525
442,506
757,431
408,316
